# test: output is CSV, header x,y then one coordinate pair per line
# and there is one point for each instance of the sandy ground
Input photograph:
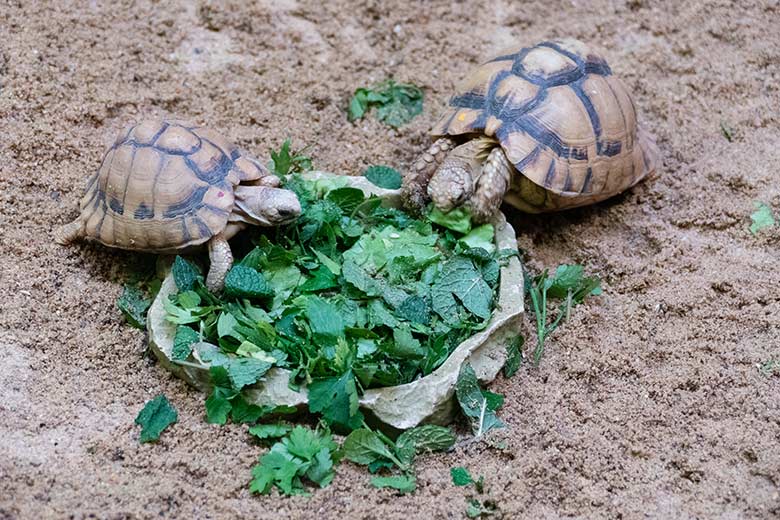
x,y
648,404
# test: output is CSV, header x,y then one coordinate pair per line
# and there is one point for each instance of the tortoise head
x,y
266,206
452,184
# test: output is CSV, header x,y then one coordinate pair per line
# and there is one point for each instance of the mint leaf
x,y
134,304
762,218
461,476
337,399
403,483
364,447
324,318
185,274
383,177
461,278
154,417
428,437
473,402
182,342
244,282
348,199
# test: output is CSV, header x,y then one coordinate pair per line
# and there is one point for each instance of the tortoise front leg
x,y
221,261
414,189
491,186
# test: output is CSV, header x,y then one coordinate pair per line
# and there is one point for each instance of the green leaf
x,y
218,405
459,219
337,399
244,282
185,274
483,236
241,411
348,199
322,278
383,177
182,342
364,447
428,437
762,218
332,266
460,277
358,105
514,356
240,371
570,281
474,404
415,309
281,160
324,318
405,346
461,476
154,417
134,305
403,483
270,431
494,401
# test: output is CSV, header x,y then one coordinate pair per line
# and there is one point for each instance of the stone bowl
x,y
430,399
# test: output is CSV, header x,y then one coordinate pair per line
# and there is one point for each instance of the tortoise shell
x,y
564,121
164,186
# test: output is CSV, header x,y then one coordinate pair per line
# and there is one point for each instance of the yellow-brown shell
x,y
164,186
563,120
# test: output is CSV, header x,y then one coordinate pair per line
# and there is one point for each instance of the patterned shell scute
x,y
560,115
163,186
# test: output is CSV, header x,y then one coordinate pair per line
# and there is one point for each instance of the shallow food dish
x,y
429,399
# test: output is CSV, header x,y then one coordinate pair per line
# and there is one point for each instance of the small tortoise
x,y
544,128
168,187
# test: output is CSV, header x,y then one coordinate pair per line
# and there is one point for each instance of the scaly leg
x,y
66,234
491,186
414,190
221,261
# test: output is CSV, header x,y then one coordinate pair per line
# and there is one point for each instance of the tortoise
x,y
170,186
543,128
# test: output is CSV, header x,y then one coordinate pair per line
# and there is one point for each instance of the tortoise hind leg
x,y
414,190
68,233
221,261
491,186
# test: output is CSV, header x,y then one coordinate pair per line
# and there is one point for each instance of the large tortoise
x,y
169,187
544,128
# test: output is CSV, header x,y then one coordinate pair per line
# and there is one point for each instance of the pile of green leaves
x,y
396,103
353,295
